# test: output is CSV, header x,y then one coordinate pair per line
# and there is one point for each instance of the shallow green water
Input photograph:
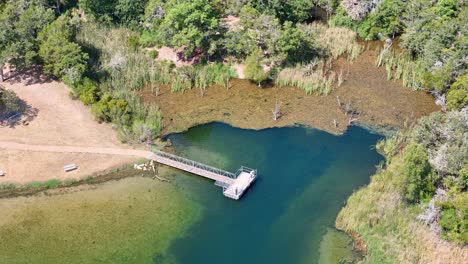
x,y
305,176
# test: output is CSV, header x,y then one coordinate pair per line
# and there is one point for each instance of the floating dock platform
x,y
234,184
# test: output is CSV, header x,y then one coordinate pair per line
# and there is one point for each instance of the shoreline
x,y
12,189
373,101
29,188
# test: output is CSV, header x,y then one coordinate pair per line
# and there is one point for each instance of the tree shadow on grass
x,y
29,76
22,115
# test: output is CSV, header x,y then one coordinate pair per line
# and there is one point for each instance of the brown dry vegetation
x,y
379,102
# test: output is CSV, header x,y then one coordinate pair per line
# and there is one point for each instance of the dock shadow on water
x,y
305,176
287,216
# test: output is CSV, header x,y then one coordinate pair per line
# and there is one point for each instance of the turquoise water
x,y
305,176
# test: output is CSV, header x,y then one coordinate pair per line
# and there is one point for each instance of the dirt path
x,y
58,121
74,149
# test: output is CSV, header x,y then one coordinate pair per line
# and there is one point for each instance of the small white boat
x,y
2,173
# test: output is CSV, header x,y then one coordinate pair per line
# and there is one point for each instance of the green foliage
x,y
52,183
35,185
384,21
61,57
130,12
341,19
126,12
416,175
153,54
87,91
293,43
109,109
445,8
253,68
443,136
20,22
457,96
454,219
189,24
390,146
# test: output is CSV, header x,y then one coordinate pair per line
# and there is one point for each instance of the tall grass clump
x,y
312,78
337,41
401,67
118,70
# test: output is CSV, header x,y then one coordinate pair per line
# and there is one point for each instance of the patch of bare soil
x,y
176,56
58,120
374,100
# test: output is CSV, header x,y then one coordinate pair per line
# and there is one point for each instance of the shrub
x,y
457,96
109,109
416,175
87,91
453,219
341,19
253,69
444,138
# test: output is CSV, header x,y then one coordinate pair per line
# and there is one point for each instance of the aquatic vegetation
x,y
142,220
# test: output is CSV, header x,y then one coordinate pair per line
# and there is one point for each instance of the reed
x,y
121,70
400,66
313,78
336,40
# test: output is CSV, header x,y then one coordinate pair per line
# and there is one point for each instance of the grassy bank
x,y
415,210
389,230
10,190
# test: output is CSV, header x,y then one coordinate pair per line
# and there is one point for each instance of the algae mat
x,y
132,220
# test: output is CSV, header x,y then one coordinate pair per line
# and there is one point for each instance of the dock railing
x,y
195,164
245,169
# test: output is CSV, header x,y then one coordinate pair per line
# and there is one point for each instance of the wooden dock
x,y
234,184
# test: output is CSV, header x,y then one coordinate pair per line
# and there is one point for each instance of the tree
x,y
130,12
189,25
20,23
416,174
264,32
126,12
101,10
293,43
61,57
253,69
457,96
384,21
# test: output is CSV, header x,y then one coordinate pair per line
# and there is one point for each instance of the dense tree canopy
x,y
126,12
62,57
20,22
189,24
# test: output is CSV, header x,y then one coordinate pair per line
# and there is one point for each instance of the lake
x,y
304,178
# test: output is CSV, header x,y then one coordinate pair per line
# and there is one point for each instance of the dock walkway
x,y
234,184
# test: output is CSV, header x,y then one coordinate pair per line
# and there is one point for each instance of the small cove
x,y
305,177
